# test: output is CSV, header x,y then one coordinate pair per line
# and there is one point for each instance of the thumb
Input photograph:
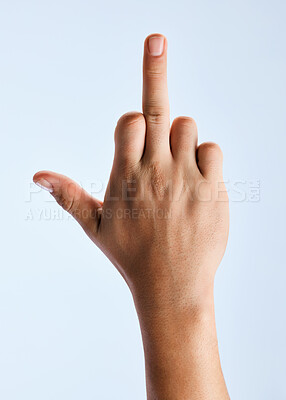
x,y
72,198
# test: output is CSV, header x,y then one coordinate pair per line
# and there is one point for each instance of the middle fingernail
x,y
156,45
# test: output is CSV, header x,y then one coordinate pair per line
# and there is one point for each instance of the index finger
x,y
155,92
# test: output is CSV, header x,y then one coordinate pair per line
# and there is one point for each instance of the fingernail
x,y
156,45
44,184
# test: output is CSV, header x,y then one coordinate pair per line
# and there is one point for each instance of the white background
x,y
68,70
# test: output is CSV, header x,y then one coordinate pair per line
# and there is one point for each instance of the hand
x,y
164,225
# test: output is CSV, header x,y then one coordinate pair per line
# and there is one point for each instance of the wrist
x,y
161,300
179,340
178,329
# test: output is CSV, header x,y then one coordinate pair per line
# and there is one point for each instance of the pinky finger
x,y
210,160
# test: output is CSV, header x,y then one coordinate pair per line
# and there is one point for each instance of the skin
x,y
164,225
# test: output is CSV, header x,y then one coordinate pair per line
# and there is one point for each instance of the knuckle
x,y
185,122
69,198
212,150
155,72
129,119
66,204
155,114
